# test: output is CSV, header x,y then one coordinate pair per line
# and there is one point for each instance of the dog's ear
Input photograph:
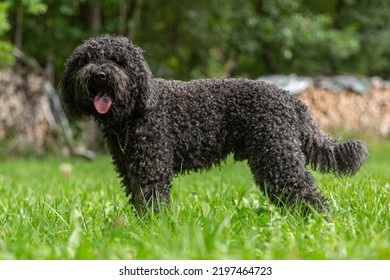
x,y
67,96
149,92
138,67
67,84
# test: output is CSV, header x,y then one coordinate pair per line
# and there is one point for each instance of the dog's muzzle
x,y
102,99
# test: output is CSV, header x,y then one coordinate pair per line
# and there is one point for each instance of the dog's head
x,y
107,78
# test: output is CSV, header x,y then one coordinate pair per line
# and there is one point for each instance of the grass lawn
x,y
214,215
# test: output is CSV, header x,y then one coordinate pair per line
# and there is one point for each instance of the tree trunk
x,y
91,14
135,18
19,27
122,17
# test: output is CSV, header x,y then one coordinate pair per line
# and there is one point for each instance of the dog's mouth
x,y
102,102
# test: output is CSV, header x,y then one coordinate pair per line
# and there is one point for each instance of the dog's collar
x,y
126,129
124,147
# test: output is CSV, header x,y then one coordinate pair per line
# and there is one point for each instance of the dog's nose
x,y
102,75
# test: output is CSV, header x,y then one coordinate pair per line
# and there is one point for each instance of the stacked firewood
x,y
24,109
367,113
31,117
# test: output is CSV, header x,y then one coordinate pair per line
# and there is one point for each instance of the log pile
x,y
25,116
345,102
367,113
31,117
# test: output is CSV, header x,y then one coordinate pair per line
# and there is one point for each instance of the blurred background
x,y
334,54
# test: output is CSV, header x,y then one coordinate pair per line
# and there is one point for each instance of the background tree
x,y
6,57
193,39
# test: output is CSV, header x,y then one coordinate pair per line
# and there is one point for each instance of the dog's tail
x,y
338,158
328,155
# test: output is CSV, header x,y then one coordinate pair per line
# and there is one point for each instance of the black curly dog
x,y
155,128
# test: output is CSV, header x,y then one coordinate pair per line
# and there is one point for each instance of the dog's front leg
x,y
151,182
153,198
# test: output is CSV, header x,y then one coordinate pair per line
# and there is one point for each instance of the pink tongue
x,y
102,103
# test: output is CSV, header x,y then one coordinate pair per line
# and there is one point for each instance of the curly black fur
x,y
155,128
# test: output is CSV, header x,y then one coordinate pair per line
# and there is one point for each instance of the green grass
x,y
214,215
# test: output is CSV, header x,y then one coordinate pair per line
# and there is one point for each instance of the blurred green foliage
x,y
215,38
6,57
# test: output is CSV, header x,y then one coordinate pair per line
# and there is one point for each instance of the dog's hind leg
x,y
279,170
